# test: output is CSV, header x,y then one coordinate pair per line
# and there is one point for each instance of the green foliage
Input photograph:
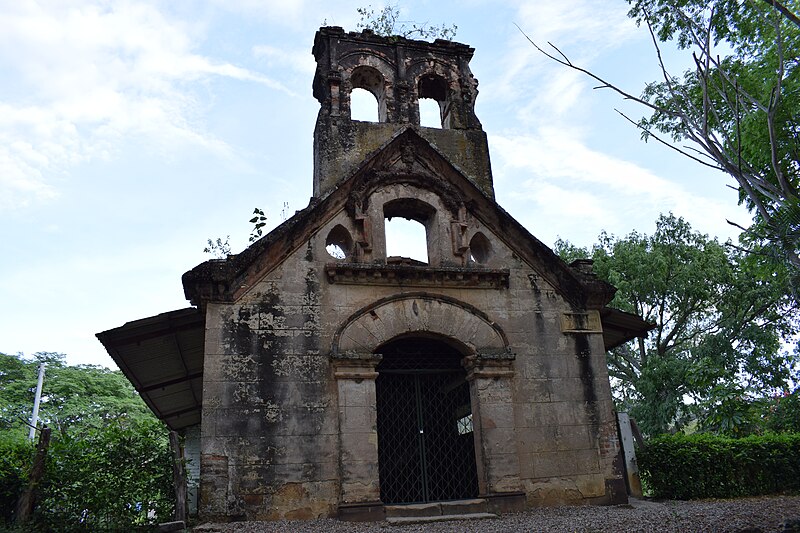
x,y
569,252
258,221
707,466
109,461
17,386
387,23
738,105
721,319
73,396
107,479
783,414
16,455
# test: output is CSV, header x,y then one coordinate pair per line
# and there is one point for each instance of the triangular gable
x,y
406,157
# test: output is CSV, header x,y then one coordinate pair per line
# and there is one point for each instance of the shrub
x,y
112,478
16,454
707,466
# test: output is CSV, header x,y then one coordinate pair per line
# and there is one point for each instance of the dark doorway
x,y
426,448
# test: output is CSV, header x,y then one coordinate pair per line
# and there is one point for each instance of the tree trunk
x,y
27,500
178,477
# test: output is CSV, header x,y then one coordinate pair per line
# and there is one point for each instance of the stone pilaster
x,y
355,378
489,376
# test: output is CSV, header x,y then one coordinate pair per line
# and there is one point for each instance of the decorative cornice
x,y
355,365
416,276
489,365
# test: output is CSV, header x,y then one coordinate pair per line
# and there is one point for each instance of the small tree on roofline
x,y
386,22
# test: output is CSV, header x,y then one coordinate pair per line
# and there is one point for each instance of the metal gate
x,y
426,449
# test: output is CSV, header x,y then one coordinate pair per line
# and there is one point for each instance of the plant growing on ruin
x,y
386,22
258,221
218,248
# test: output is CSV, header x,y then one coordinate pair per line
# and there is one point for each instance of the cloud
x,y
287,12
582,29
566,180
80,76
297,60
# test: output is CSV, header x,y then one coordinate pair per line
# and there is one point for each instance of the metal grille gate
x,y
426,449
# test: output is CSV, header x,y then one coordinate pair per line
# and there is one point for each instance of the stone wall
x,y
288,404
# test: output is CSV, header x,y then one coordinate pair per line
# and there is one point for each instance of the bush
x,y
112,478
707,466
16,455
784,414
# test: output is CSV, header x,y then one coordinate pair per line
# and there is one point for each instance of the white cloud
x,y
567,180
582,29
288,12
297,60
80,76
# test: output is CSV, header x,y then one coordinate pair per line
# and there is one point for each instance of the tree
x,y
784,412
738,110
73,397
720,317
108,478
109,463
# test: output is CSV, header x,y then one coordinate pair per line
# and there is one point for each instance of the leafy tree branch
x,y
738,111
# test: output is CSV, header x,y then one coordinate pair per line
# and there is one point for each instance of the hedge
x,y
707,466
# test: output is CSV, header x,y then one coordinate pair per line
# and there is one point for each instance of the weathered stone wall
x,y
270,429
288,429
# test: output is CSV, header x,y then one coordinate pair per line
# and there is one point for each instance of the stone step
x,y
433,509
400,520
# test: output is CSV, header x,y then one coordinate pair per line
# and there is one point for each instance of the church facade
x,y
318,376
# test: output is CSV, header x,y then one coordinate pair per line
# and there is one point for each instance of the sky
x,y
131,132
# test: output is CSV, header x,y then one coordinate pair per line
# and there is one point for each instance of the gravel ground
x,y
742,515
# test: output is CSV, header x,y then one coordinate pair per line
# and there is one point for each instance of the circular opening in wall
x,y
339,243
480,248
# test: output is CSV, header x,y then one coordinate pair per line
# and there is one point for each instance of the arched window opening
x,y
363,106
429,113
339,243
435,88
480,249
406,239
406,223
366,79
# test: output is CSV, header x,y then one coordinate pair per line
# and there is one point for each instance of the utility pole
x,y
36,399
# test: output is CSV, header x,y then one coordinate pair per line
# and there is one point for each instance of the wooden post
x,y
27,500
178,477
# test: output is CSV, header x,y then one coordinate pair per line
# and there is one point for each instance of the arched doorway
x,y
426,446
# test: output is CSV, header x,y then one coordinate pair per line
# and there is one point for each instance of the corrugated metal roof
x,y
162,356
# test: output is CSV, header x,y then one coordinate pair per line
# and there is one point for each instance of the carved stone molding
x,y
489,365
416,276
355,365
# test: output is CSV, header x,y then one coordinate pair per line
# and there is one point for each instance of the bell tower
x,y
398,72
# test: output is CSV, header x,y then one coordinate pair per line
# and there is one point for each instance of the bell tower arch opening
x,y
432,87
426,443
368,79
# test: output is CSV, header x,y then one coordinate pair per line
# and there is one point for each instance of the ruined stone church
x,y
316,376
